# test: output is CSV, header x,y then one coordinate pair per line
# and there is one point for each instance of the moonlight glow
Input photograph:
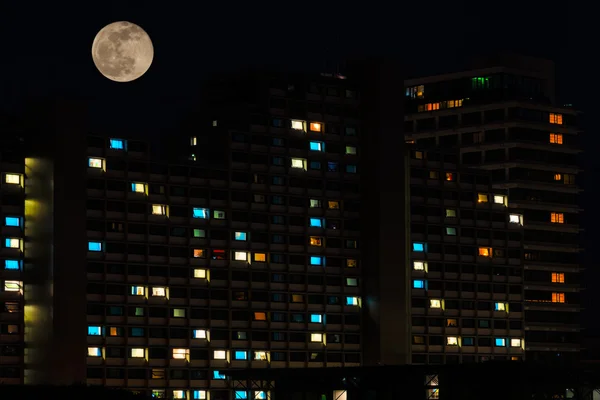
x,y
122,51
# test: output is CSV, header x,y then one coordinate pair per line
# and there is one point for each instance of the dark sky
x,y
45,49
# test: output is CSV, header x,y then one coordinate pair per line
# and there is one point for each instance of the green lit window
x,y
480,82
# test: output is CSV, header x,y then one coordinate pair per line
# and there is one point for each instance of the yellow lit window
x,y
159,291
220,354
333,205
316,127
418,155
557,218
260,257
420,266
199,253
449,176
485,251
181,354
316,241
557,177
193,141
200,273
499,199
94,162
138,187
13,243
13,179
558,277
261,355
159,209
179,394
515,219
94,352
297,298
351,263
556,138
137,353
316,337
260,316
482,198
556,118
452,341
435,303
558,297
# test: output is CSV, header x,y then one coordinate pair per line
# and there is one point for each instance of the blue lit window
x,y
240,236
332,166
419,246
241,355
467,341
137,332
202,213
316,222
316,318
94,246
317,146
12,264
419,284
12,221
314,165
316,260
260,395
240,394
118,144
351,169
351,301
500,342
94,331
218,375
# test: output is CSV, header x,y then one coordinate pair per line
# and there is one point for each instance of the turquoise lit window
x,y
351,301
316,318
118,144
500,342
202,213
316,260
94,331
218,375
12,264
240,236
241,355
420,247
94,246
419,284
12,221
241,394
317,146
316,222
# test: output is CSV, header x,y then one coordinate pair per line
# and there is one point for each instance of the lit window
x,y
261,395
558,297
94,246
181,354
218,375
315,203
179,394
556,138
137,353
515,342
199,334
558,177
419,247
215,123
179,313
316,318
260,316
556,118
351,263
138,187
240,236
193,141
199,395
13,179
418,155
449,176
558,277
500,307
159,291
316,260
352,301
199,233
435,303
316,127
260,257
351,282
118,144
261,355
94,352
500,342
159,209
316,337
317,146
298,125
450,231
452,341
199,253
557,218
350,150
138,291
485,251
316,241
202,213
12,221
240,256
240,355
333,205
316,222
12,243
420,265
12,264
498,199
13,286
220,355
240,394
299,163
482,198
450,213
96,163
94,331
515,219
418,284
218,214
200,273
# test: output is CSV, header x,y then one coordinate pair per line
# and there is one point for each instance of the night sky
x,y
45,50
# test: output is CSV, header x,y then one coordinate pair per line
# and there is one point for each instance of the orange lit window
x,y
218,254
260,257
482,198
199,253
449,176
485,251
333,204
418,155
350,262
260,316
316,126
558,277
557,218
556,118
558,297
557,177
113,331
556,138
297,298
316,241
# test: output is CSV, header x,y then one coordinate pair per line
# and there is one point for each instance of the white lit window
x,y
350,150
435,303
452,341
220,355
500,307
261,355
240,256
299,163
137,353
515,219
159,209
193,141
181,354
200,273
159,291
94,162
94,352
515,342
500,199
316,337
13,286
13,179
138,290
315,203
12,243
179,394
298,125
199,334
420,265
138,187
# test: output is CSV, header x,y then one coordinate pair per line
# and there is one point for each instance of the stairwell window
x,y
556,118
557,218
556,138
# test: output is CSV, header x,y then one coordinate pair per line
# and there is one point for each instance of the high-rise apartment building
x,y
503,117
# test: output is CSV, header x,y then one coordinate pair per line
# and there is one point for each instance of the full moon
x,y
122,51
